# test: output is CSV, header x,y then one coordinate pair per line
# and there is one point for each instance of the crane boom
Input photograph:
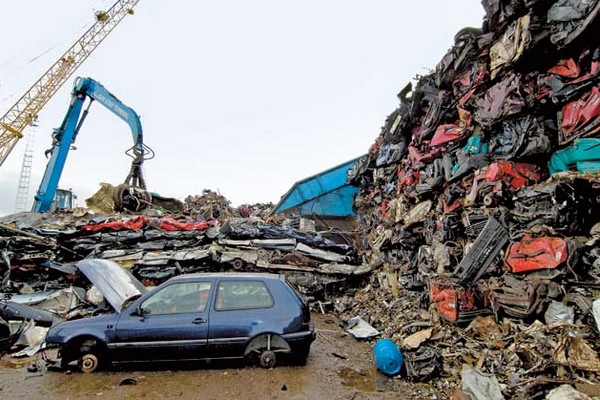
x,y
14,122
65,135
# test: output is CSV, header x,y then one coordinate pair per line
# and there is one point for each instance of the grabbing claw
x,y
131,198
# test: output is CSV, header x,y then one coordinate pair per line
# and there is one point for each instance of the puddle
x,y
361,380
14,363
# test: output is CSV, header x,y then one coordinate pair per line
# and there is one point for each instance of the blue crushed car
x,y
188,317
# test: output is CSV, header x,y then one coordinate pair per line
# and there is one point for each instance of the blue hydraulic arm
x,y
65,135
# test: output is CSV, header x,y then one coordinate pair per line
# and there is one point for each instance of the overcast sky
x,y
243,97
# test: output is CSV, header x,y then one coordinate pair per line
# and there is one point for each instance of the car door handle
x,y
198,321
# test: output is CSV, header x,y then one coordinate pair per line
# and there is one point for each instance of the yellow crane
x,y
25,110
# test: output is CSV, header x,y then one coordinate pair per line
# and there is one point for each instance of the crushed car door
x,y
169,324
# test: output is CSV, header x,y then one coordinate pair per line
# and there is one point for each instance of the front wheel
x,y
90,357
89,363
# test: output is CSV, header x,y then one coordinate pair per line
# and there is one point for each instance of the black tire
x,y
238,264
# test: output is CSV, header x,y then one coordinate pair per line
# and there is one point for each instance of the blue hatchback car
x,y
190,317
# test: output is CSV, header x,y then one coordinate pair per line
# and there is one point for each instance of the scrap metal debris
x,y
478,201
480,386
359,328
52,264
477,246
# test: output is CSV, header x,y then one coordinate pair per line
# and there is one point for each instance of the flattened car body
x,y
531,254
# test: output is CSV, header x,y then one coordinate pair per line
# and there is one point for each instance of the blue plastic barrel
x,y
388,358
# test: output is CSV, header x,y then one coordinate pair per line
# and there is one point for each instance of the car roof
x,y
221,275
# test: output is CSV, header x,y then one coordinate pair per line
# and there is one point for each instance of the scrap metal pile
x,y
41,283
212,205
479,204
35,246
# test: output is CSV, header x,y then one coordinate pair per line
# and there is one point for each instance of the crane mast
x,y
14,122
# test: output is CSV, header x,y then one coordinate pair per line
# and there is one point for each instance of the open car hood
x,y
116,284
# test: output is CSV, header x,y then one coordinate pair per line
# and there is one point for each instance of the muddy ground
x,y
338,367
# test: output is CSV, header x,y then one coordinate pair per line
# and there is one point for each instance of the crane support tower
x,y
14,122
131,195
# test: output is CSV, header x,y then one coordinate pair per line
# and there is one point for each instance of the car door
x,y
169,324
242,308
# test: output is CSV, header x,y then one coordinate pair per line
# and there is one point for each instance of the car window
x,y
184,297
237,295
297,291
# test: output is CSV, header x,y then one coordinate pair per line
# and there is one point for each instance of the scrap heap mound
x,y
213,205
209,236
41,282
208,205
479,202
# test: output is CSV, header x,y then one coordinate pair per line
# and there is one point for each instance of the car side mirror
x,y
141,311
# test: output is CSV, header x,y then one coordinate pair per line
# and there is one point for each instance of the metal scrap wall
x,y
482,189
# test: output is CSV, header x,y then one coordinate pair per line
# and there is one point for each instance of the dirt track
x,y
327,375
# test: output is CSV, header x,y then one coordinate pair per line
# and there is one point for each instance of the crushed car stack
x,y
480,197
35,246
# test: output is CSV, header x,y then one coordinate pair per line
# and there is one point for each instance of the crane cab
x,y
63,200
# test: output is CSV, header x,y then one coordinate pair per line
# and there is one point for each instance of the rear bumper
x,y
301,338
